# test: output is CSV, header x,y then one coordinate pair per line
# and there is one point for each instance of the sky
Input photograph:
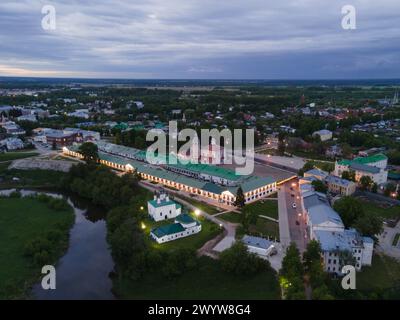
x,y
200,39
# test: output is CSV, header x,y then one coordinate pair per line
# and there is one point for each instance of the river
x,y
83,271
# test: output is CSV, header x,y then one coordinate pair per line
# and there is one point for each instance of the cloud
x,y
200,38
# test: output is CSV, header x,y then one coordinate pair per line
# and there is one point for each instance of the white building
x,y
347,247
339,246
323,134
184,226
29,117
259,246
373,167
162,208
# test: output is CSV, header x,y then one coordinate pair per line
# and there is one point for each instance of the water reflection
x,y
83,272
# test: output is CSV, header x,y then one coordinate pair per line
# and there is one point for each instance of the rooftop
x,y
167,230
257,242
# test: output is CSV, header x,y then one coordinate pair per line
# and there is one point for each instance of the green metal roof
x,y
168,230
185,218
255,182
163,203
208,169
364,160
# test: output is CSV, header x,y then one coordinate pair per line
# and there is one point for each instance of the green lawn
x,y
384,273
206,281
8,156
30,178
265,228
201,205
22,219
232,216
384,212
263,207
208,231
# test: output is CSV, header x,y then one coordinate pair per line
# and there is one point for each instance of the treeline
x,y
100,185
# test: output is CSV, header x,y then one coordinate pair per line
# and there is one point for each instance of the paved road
x,y
230,228
293,221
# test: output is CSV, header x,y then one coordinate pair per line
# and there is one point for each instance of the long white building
x,y
339,246
372,166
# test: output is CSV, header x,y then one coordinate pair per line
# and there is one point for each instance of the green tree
x,y
349,209
239,261
240,199
369,225
366,182
319,186
89,151
349,175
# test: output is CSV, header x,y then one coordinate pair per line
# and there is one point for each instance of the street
x,y
292,220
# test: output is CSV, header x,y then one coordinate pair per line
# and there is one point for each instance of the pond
x,y
83,272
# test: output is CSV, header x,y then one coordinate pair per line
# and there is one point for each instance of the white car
x,y
294,206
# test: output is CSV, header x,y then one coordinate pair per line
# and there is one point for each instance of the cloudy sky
x,y
235,39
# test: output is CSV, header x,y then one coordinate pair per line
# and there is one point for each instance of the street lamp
x,y
197,212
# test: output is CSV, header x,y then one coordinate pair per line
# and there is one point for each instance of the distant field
x,y
29,178
9,156
22,219
206,281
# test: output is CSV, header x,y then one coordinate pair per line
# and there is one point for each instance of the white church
x,y
163,208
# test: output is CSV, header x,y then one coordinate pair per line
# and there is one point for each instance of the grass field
x,y
9,156
206,281
22,219
201,205
263,207
30,178
265,228
232,216
208,231
384,273
387,213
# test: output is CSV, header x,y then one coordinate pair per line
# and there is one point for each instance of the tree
x,y
319,186
369,225
281,144
389,189
239,261
292,272
366,182
240,199
89,152
307,166
129,249
349,175
374,188
349,209
312,254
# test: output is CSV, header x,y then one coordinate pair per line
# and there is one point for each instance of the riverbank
x,y
23,220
